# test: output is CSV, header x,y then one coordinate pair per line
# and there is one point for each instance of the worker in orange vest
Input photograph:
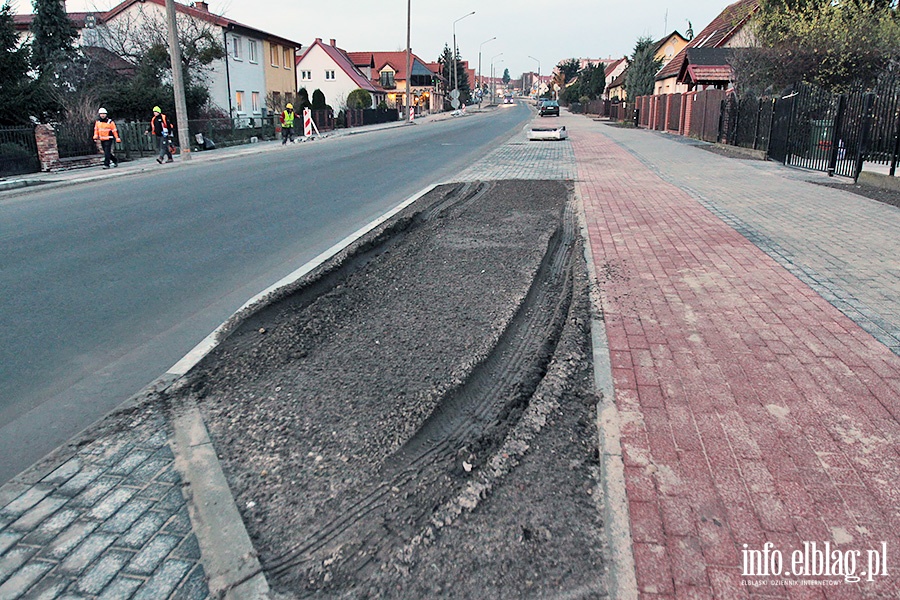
x,y
105,131
159,126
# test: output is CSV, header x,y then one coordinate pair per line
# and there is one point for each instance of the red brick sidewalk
x,y
752,411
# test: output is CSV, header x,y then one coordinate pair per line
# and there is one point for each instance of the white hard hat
x,y
102,111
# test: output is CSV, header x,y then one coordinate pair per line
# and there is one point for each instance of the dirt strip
x,y
417,418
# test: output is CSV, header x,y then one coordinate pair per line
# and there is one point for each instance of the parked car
x,y
549,107
508,99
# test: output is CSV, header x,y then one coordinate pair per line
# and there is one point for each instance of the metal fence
x,y
75,139
370,116
18,151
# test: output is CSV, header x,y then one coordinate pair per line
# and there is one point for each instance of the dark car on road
x,y
549,107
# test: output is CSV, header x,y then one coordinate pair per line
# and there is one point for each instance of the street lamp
x,y
492,75
539,74
408,57
480,74
455,78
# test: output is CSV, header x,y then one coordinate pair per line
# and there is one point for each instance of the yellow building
x,y
281,72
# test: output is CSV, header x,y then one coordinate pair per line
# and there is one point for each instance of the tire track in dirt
x,y
467,426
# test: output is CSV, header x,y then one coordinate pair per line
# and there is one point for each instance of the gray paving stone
x,y
38,513
147,560
130,462
145,473
155,490
13,560
194,587
26,500
126,516
143,529
172,501
79,481
94,491
189,549
86,553
64,472
122,588
48,588
108,452
112,502
180,523
8,538
52,527
170,475
24,578
95,579
158,440
69,539
164,581
11,491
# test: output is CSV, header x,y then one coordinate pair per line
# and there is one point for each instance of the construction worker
x,y
159,126
287,124
105,131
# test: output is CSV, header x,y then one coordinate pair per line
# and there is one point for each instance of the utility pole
x,y
408,55
181,115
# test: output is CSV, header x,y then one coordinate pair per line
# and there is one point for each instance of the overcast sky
x,y
548,31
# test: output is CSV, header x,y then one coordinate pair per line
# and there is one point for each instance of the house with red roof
x,y
333,71
424,82
703,62
255,77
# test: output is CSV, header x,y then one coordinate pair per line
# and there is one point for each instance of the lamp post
x,y
453,75
480,74
539,74
492,75
408,57
181,115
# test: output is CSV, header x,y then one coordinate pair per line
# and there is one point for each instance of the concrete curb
x,y
227,553
879,180
622,581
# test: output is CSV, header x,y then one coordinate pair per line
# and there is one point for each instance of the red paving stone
x,y
752,410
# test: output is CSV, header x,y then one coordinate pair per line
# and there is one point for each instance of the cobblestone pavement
x,y
843,247
752,410
519,158
110,522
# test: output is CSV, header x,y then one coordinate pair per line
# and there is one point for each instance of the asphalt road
x,y
106,285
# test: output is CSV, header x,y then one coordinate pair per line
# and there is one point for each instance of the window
x,y
273,55
387,80
254,101
305,75
288,55
239,101
329,75
251,54
236,48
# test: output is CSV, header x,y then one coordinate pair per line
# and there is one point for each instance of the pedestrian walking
x,y
159,126
105,131
287,124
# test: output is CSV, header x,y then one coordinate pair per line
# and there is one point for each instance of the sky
x,y
547,31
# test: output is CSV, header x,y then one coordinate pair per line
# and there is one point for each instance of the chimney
x,y
204,6
332,41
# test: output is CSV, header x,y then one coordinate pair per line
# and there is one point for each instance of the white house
x,y
328,68
257,67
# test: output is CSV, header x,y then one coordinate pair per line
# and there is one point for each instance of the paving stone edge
x,y
622,580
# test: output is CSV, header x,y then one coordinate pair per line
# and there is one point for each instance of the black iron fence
x,y
18,151
812,128
75,139
355,117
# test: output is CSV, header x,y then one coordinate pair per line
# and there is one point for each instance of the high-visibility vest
x,y
106,130
288,118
